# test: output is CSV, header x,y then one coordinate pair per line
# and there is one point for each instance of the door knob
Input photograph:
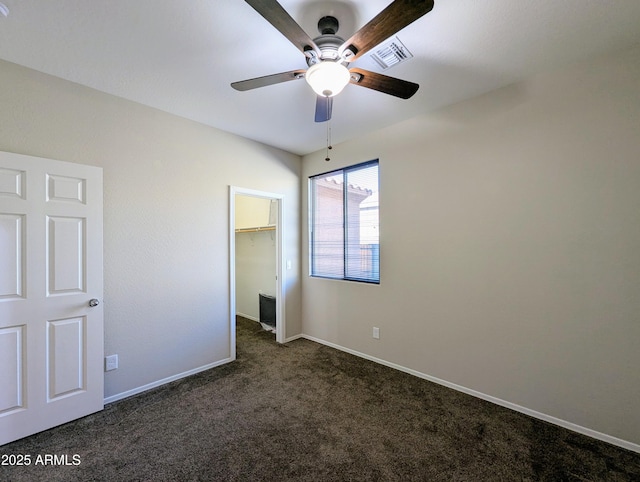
x,y
93,302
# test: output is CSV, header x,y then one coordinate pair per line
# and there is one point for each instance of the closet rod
x,y
255,230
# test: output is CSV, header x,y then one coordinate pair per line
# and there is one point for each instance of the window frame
x,y
312,212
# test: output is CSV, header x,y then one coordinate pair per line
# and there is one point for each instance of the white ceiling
x,y
181,56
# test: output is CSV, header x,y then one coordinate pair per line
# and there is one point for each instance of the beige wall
x,y
256,254
166,231
252,212
510,247
255,271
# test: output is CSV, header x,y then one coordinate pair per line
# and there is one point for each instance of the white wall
x,y
166,232
510,247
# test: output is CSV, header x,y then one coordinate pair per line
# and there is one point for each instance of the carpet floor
x,y
306,412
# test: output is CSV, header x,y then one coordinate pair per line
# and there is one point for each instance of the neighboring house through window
x,y
344,224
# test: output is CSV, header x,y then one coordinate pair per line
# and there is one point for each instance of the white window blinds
x,y
345,224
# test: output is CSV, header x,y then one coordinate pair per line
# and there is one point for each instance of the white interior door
x,y
51,339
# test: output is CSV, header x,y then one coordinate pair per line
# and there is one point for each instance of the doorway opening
x,y
255,267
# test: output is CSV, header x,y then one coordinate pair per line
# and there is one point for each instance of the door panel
x,y
51,340
66,357
11,368
12,260
66,255
70,189
12,182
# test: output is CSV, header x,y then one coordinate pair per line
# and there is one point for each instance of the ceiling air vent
x,y
391,53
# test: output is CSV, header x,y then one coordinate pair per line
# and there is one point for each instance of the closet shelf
x,y
256,229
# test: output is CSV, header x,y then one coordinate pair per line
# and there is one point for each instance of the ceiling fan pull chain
x,y
329,146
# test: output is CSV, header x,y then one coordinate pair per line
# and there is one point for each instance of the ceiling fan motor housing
x,y
328,42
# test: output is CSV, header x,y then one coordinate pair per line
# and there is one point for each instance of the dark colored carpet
x,y
307,412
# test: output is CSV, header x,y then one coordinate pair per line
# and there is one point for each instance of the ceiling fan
x,y
328,55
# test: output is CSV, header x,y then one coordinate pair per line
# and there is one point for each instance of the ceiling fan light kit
x,y
328,55
327,78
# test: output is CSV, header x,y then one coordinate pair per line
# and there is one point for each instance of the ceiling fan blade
x,y
268,80
324,105
392,19
277,16
383,83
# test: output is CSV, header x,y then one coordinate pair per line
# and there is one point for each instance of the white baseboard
x,y
149,386
527,411
295,337
249,317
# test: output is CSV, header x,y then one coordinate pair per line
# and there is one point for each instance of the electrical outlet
x,y
376,332
110,363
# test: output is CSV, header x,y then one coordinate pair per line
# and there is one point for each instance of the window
x,y
344,224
